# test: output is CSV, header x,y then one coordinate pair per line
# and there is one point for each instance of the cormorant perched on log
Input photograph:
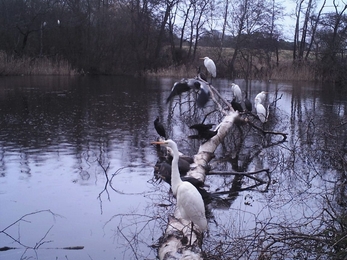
x,y
159,128
248,103
236,105
186,85
204,131
201,74
162,171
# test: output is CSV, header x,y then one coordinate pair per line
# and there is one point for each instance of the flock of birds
x,y
200,85
187,190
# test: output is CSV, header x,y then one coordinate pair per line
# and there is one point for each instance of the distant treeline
x,y
144,36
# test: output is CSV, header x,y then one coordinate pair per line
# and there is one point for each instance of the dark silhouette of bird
x,y
203,95
248,103
204,132
162,172
159,128
201,74
201,127
186,85
236,105
178,88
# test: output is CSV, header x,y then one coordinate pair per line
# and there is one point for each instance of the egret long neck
x,y
175,175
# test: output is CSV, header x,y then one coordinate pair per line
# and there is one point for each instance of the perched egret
x,y
191,84
248,103
163,172
210,66
189,201
261,97
159,128
260,109
236,91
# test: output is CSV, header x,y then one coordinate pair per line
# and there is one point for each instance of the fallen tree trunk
x,y
179,242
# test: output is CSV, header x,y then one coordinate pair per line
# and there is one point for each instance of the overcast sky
x,y
288,22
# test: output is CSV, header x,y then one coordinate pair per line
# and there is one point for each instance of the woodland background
x,y
134,37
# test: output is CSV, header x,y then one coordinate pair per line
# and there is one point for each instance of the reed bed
x,y
11,65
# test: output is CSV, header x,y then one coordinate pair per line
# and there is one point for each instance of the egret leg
x,y
191,234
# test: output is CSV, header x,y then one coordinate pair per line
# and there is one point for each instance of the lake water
x,y
62,139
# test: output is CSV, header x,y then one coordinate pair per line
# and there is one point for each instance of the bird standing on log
x,y
259,106
189,201
210,66
159,128
186,85
204,131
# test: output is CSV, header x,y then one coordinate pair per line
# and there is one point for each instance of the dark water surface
x,y
60,135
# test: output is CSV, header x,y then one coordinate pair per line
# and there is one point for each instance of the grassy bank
x,y
284,71
254,68
253,65
10,65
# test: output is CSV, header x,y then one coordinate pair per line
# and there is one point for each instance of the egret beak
x,y
158,142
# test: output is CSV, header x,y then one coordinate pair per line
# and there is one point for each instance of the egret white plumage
x,y
210,66
260,109
189,201
236,92
261,97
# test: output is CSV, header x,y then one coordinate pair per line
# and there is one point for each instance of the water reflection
x,y
62,137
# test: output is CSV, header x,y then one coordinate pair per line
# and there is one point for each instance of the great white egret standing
x,y
260,109
189,201
210,66
236,92
236,97
261,97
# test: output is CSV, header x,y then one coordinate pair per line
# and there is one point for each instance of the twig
x,y
132,248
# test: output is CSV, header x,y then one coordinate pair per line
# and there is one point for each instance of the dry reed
x,y
10,65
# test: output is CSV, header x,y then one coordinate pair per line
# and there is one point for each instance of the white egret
x,y
261,97
159,128
189,201
210,66
237,93
260,109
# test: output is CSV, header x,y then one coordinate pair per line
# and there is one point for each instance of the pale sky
x,y
289,22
